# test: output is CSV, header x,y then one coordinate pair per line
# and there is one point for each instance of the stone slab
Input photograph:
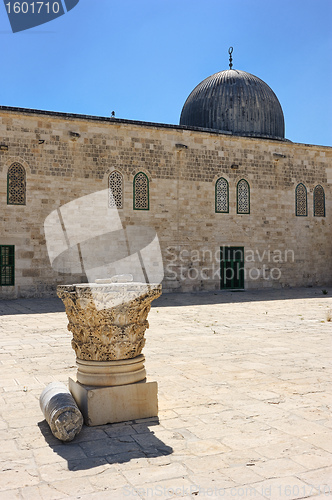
x,y
233,369
108,405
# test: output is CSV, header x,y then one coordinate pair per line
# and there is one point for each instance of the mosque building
x,y
235,205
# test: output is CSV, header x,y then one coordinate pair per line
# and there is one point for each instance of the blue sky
x,y
142,58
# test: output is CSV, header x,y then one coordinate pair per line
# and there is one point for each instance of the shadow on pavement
x,y
31,306
108,444
176,299
239,296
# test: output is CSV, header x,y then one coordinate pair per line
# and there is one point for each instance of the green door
x,y
7,258
231,268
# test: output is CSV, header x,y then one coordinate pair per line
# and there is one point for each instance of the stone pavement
x,y
245,400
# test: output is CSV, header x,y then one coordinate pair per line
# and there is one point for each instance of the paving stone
x,y
206,447
121,431
315,459
102,448
239,492
211,480
245,407
11,495
203,464
290,446
286,487
49,455
59,489
124,493
155,473
108,480
18,477
90,434
75,468
323,496
321,479
179,487
244,474
322,440
128,461
278,468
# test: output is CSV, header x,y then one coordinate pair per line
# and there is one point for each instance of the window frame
x,y
122,190
147,189
215,196
25,185
237,197
306,200
315,188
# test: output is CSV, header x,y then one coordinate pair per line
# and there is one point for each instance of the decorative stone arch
x,y
144,171
15,159
16,171
243,197
221,195
141,195
219,176
301,200
125,175
319,201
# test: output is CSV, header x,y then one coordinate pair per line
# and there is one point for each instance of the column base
x,y
108,405
110,373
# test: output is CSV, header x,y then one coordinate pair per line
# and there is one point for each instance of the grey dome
x,y
237,102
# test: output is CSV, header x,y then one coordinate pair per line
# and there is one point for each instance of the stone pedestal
x,y
108,322
107,405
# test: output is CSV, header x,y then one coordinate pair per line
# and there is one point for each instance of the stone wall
x,y
182,166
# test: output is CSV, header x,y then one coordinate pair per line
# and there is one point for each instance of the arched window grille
x,y
243,197
301,206
16,185
141,192
319,201
221,196
115,190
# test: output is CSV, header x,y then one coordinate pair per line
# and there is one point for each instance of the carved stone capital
x,y
108,321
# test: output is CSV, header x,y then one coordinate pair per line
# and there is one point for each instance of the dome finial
x,y
230,50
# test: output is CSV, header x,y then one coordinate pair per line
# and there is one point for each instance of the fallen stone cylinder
x,y
61,411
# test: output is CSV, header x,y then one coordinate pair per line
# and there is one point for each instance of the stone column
x,y
60,411
108,322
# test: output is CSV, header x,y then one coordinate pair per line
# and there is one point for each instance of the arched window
x,y
221,196
16,185
141,192
301,207
319,201
243,197
115,190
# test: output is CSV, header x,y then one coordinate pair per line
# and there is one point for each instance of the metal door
x,y
231,268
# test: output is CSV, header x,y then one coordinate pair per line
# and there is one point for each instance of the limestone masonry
x,y
48,159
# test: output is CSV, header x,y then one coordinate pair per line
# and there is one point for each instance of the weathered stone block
x,y
107,405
